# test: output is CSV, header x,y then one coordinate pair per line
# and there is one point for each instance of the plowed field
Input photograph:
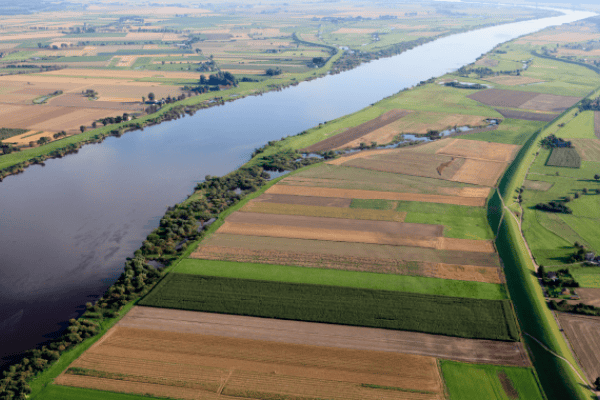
x,y
589,149
307,333
367,250
326,212
349,263
524,100
479,172
550,102
213,365
475,201
480,150
357,132
304,200
583,333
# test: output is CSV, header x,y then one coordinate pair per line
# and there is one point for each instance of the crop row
x,y
462,317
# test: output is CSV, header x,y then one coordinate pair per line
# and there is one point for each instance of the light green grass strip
x,y
54,392
479,381
332,277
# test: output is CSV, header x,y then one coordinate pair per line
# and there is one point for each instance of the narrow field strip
x,y
470,273
341,336
474,201
451,316
303,200
330,277
325,212
480,150
346,249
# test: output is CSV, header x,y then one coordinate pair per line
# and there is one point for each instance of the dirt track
x,y
315,334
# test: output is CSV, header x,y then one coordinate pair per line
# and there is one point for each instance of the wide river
x,y
66,228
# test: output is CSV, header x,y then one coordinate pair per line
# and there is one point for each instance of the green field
x,y
582,126
479,381
470,318
373,204
510,131
54,392
564,157
351,279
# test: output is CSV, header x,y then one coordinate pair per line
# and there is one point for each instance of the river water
x,y
66,228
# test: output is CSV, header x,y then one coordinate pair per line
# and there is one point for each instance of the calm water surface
x,y
66,228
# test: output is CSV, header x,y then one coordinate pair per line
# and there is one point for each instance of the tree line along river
x,y
67,227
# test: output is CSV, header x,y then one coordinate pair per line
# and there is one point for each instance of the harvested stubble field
x,y
378,251
524,100
476,201
480,150
564,157
583,333
357,132
480,172
588,148
304,200
224,367
527,116
315,334
119,74
451,316
78,100
325,212
361,264
410,163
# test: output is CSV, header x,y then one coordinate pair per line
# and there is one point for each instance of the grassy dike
x,y
558,379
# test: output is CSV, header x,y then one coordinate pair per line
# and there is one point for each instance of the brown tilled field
x,y
503,98
466,200
78,100
325,212
583,333
369,250
480,150
488,62
550,102
527,116
589,296
304,200
480,172
250,368
589,149
340,224
357,132
410,163
351,263
331,336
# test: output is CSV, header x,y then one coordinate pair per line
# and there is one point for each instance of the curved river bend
x,y
66,228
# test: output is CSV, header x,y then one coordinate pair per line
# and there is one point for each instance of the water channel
x,y
67,227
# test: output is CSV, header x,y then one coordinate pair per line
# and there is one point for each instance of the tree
x,y
596,177
82,128
94,124
597,383
541,272
584,190
143,99
151,96
576,195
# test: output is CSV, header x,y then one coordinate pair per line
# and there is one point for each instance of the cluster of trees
x,y
59,134
554,206
90,93
562,278
579,308
579,254
588,104
273,71
482,72
551,141
207,66
7,148
465,86
220,78
112,120
14,384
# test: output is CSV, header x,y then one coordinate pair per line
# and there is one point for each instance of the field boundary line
x,y
224,383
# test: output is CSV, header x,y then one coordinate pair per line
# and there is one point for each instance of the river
x,y
67,227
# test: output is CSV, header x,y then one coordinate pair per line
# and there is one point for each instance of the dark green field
x,y
469,318
564,157
54,392
9,132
